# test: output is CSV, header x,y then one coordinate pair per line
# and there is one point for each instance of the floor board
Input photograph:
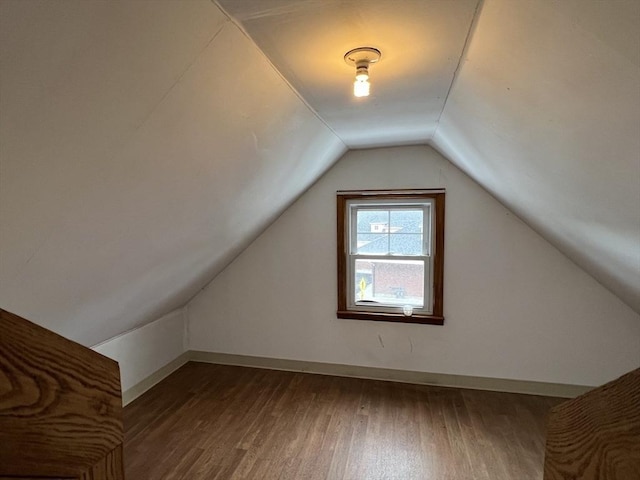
x,y
221,422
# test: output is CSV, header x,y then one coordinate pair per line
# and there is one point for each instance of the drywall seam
x,y
268,60
173,85
463,55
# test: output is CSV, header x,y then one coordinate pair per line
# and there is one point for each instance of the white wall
x,y
545,114
145,350
143,146
515,307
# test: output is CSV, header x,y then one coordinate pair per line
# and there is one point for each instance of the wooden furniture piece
x,y
596,436
60,406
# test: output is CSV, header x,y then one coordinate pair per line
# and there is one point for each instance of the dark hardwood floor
x,y
220,422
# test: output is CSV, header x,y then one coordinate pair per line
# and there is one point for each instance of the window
x,y
391,255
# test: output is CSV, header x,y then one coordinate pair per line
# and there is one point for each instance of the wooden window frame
x,y
353,313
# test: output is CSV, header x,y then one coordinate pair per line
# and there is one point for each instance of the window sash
x,y
351,240
428,221
392,307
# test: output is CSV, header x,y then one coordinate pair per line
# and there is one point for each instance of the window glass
x,y
389,232
373,244
372,232
389,282
405,244
406,220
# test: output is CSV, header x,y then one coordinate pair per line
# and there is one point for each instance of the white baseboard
x,y
387,374
354,371
139,388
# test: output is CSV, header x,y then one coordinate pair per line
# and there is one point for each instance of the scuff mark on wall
x,y
410,345
255,141
380,340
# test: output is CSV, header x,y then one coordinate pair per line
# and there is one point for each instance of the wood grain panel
x,y
60,403
38,478
597,436
109,467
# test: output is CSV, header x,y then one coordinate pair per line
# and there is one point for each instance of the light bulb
x,y
361,87
361,58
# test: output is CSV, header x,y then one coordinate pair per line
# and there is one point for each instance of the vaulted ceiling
x,y
421,43
143,145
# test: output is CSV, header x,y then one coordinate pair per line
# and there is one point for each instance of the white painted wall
x,y
545,114
515,307
143,146
145,350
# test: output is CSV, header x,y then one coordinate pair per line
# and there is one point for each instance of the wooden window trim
x,y
437,318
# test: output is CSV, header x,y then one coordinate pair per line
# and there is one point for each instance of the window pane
x,y
372,235
389,282
396,231
373,243
372,221
405,244
406,221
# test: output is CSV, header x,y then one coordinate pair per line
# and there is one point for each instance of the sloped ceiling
x,y
544,109
139,155
144,144
421,43
545,114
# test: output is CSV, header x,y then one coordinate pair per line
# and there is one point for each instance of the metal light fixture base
x,y
362,56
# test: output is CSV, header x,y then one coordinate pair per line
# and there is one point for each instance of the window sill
x,y
390,317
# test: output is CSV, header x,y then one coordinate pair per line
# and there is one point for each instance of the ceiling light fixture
x,y
361,58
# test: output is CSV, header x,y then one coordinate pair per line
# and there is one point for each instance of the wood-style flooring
x,y
221,422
